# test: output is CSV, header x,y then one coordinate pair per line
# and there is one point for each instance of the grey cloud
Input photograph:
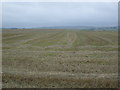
x,y
59,14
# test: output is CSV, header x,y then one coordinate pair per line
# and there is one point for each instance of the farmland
x,y
59,58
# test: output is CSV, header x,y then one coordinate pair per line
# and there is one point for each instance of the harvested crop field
x,y
59,59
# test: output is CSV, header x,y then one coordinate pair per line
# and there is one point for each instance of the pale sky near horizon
x,y
38,14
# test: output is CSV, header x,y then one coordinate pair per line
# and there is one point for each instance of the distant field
x,y
59,59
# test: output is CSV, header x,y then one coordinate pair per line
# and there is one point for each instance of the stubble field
x,y
59,59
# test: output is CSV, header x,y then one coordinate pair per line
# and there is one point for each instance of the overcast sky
x,y
30,15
